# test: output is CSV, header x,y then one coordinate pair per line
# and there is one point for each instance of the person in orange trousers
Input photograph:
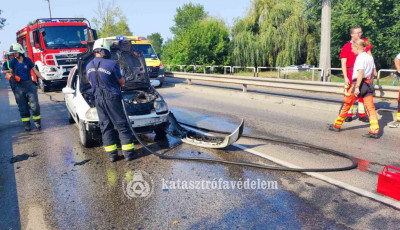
x,y
362,87
396,123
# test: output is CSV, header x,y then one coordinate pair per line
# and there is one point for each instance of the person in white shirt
x,y
396,124
362,74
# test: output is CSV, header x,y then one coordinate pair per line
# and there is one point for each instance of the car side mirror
x,y
94,32
155,83
68,90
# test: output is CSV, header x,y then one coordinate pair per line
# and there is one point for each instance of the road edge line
x,y
359,191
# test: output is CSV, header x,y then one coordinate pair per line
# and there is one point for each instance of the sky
x,y
144,17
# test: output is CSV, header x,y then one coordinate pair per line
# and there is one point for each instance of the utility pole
x,y
325,49
49,7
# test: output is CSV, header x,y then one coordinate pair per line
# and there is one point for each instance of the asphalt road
x,y
67,186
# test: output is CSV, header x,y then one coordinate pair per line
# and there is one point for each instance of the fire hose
x,y
353,165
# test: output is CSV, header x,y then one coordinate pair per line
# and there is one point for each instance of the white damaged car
x,y
146,108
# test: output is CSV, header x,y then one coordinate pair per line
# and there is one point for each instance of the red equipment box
x,y
389,182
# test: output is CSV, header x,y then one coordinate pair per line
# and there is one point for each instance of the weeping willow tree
x,y
274,33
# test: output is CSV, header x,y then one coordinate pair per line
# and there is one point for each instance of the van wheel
x,y
84,136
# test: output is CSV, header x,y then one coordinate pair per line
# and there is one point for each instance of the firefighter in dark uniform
x,y
105,77
25,90
6,69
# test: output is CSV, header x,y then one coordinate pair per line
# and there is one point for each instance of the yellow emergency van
x,y
154,66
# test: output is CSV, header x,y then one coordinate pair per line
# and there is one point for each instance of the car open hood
x,y
131,62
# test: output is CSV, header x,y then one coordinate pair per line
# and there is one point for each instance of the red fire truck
x,y
53,45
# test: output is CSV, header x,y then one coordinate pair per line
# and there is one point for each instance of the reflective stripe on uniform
x,y
398,116
128,146
24,119
373,122
361,108
350,110
374,127
110,148
36,117
339,122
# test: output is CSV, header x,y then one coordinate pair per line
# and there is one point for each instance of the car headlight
x,y
91,114
160,106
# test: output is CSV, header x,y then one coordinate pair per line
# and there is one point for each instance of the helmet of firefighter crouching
x,y
16,48
102,47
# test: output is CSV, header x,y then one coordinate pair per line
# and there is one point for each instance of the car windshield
x,y
65,37
147,50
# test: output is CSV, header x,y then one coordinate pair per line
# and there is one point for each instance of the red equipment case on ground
x,y
389,182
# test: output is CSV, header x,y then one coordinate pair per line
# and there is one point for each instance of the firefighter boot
x,y
112,152
371,135
331,127
27,126
395,124
348,119
113,156
364,119
37,124
128,151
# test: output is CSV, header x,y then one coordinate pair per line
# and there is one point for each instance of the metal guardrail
x,y
314,86
285,70
383,70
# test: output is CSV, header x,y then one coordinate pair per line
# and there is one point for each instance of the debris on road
x,y
81,162
22,157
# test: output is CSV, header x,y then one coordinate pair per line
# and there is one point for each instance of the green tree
x,y
201,41
379,21
274,33
156,40
186,16
2,21
110,20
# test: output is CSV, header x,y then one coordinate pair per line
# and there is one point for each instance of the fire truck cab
x,y
53,45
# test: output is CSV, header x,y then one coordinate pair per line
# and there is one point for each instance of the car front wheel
x,y
84,135
70,118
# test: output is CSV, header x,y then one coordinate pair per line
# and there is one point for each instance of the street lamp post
x,y
325,52
49,7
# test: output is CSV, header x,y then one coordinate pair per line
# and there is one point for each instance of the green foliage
x,y
2,21
379,21
274,33
156,41
186,16
110,20
201,41
31,23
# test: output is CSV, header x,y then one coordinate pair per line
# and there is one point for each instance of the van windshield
x,y
147,50
65,37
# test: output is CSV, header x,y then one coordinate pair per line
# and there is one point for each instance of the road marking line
x,y
327,179
359,191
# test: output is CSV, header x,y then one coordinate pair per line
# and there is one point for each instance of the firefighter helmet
x,y
101,44
17,48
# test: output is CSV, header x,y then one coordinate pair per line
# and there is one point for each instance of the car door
x,y
69,98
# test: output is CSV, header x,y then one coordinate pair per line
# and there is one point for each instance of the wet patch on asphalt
x,y
22,157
